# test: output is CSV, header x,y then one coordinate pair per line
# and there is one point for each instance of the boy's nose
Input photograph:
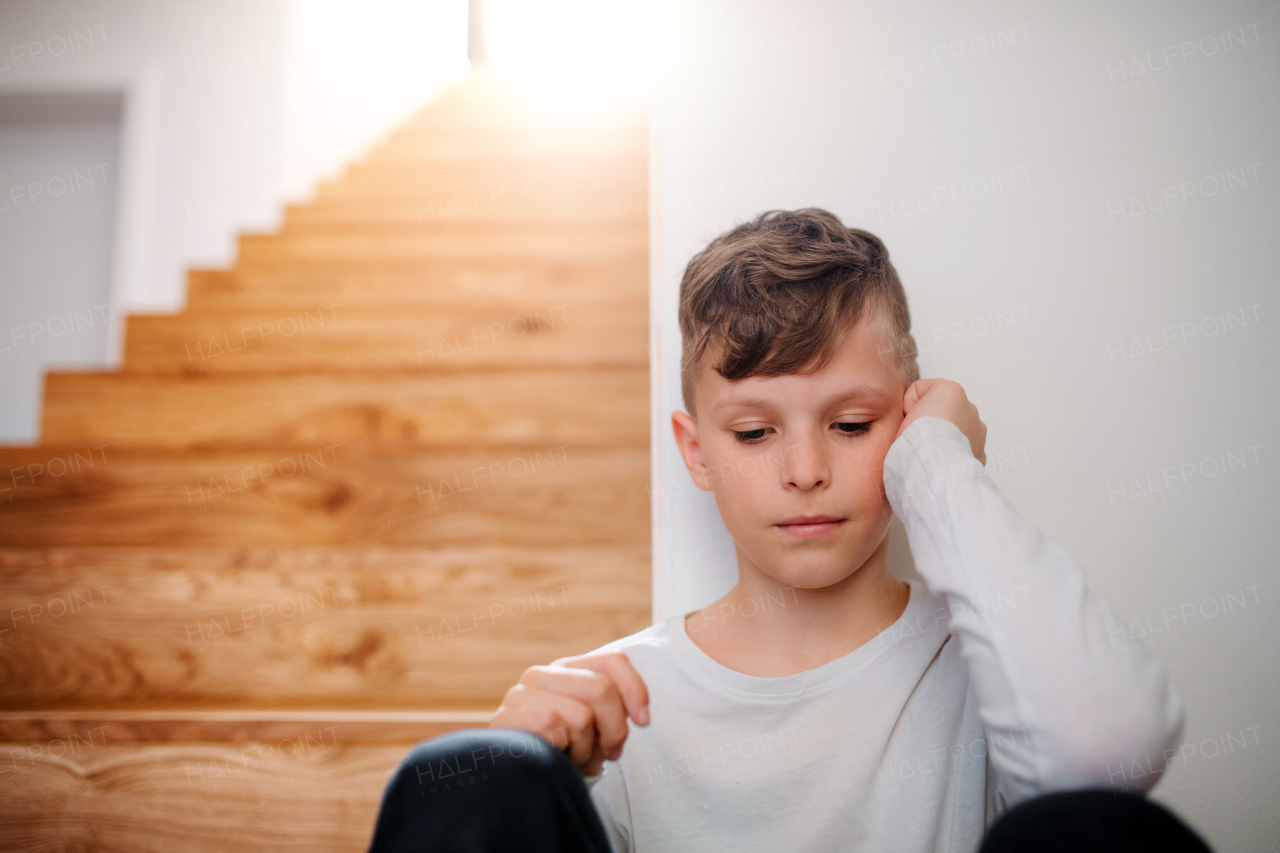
x,y
806,466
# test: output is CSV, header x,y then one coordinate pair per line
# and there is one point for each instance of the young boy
x,y
822,704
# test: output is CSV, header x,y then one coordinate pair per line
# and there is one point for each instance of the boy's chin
x,y
810,573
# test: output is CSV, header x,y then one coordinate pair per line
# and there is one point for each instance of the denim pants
x,y
502,790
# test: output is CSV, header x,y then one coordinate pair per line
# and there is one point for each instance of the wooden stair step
x,y
315,337
440,240
593,167
582,408
484,123
517,181
196,628
602,156
473,288
323,495
202,798
223,726
210,783
494,203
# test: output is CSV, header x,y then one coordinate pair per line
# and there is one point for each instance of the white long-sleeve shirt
x,y
999,682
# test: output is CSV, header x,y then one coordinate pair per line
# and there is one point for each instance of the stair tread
x,y
600,407
143,725
292,629
316,337
324,496
466,288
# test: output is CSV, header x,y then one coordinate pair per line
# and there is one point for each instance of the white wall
x,y
232,108
248,102
1056,187
202,85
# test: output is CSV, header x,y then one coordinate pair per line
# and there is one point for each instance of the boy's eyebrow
x,y
856,392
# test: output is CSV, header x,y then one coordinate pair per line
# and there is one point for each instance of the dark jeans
x,y
482,790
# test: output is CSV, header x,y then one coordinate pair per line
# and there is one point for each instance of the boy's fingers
x,y
917,390
563,721
595,689
979,442
616,665
592,767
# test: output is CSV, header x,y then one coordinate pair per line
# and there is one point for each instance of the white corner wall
x,y
202,87
1082,202
232,108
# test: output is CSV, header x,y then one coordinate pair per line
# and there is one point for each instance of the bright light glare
x,y
354,71
571,51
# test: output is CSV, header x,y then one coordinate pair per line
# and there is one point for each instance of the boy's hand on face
x,y
942,398
579,704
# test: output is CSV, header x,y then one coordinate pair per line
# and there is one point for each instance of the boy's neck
x,y
769,630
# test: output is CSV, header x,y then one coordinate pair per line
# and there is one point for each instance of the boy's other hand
x,y
942,398
579,704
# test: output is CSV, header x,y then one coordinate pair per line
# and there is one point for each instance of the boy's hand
x,y
579,704
945,399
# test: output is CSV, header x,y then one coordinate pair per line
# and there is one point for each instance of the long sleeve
x,y
1063,704
609,794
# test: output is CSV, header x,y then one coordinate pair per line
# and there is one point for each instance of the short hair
x,y
776,294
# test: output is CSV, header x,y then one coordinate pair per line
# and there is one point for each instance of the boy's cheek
x,y
871,456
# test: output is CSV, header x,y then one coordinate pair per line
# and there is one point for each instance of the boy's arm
x,y
1064,706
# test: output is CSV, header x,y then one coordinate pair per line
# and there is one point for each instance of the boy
x,y
822,704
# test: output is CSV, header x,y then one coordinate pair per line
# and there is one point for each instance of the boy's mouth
x,y
810,526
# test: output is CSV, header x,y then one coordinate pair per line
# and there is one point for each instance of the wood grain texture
x,y
514,496
604,162
602,408
375,628
557,184
416,142
323,338
139,798
476,286
393,456
494,199
85,729
441,240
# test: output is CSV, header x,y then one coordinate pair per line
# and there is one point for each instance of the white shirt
x,y
999,682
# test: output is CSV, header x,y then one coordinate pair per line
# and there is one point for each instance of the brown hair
x,y
776,294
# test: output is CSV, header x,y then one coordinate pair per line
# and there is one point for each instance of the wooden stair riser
x,y
326,338
374,628
581,408
442,240
204,798
324,495
473,288
583,175
470,204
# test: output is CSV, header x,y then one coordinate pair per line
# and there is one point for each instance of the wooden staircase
x,y
395,455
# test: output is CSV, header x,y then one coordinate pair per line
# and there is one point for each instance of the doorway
x,y
59,182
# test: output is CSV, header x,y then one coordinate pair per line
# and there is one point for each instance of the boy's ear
x,y
686,432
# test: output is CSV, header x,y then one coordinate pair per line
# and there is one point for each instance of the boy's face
x,y
796,462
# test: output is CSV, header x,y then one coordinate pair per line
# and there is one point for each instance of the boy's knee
x,y
469,757
471,789
1099,821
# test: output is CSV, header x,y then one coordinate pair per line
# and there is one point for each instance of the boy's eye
x,y
851,428
750,436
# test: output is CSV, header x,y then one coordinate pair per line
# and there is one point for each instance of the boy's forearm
x,y
1065,706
